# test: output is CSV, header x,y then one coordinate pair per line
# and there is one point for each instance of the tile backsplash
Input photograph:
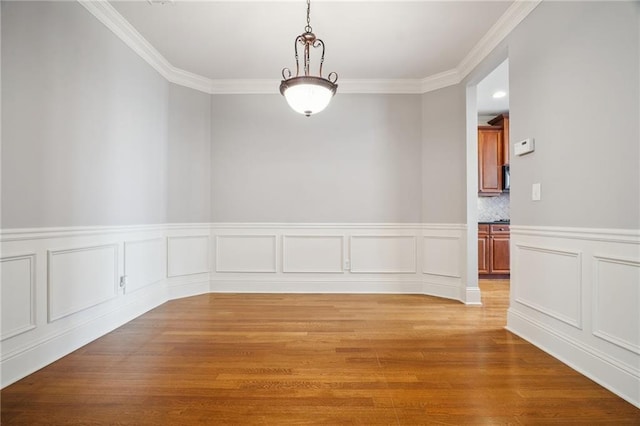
x,y
493,208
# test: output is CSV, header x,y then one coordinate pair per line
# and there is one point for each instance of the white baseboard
x,y
32,357
599,367
188,286
574,294
316,286
451,290
472,296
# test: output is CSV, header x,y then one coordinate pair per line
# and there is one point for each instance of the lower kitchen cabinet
x,y
493,249
483,249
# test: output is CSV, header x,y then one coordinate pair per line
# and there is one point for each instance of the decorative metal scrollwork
x,y
308,94
308,40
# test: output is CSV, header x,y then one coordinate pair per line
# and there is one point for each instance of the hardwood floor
x,y
314,359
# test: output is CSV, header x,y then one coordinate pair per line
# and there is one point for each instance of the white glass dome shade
x,y
308,95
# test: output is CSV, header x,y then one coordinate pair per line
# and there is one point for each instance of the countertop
x,y
496,222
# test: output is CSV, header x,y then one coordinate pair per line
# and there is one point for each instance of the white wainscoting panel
x,y
54,306
18,294
550,281
575,293
313,253
441,256
187,255
70,295
616,310
246,253
80,278
383,254
145,262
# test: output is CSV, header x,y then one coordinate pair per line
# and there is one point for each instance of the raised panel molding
x,y
625,236
144,262
441,255
597,273
187,255
383,254
312,253
80,278
550,281
246,253
616,302
32,234
18,290
601,350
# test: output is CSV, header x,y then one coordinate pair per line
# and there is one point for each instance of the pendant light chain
x,y
308,94
308,27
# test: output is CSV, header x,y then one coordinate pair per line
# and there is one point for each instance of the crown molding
x,y
353,86
110,17
440,80
380,86
244,86
191,80
498,32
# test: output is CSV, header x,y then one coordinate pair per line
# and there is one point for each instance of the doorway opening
x,y
493,174
488,177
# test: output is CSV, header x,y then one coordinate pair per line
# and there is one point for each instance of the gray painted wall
x,y
91,134
83,122
574,82
189,151
357,161
444,156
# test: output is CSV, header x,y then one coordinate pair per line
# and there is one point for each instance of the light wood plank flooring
x,y
314,359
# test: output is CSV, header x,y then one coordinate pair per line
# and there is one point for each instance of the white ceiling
x,y
364,39
497,80
375,46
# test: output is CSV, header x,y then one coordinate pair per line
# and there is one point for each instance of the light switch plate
x,y
535,192
523,147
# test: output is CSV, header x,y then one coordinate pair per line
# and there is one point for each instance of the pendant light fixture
x,y
308,94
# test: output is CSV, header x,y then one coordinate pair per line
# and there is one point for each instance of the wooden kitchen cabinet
x,y
493,249
493,153
490,147
499,236
483,249
502,121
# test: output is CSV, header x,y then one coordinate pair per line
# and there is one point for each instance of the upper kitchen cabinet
x,y
502,121
489,160
493,152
